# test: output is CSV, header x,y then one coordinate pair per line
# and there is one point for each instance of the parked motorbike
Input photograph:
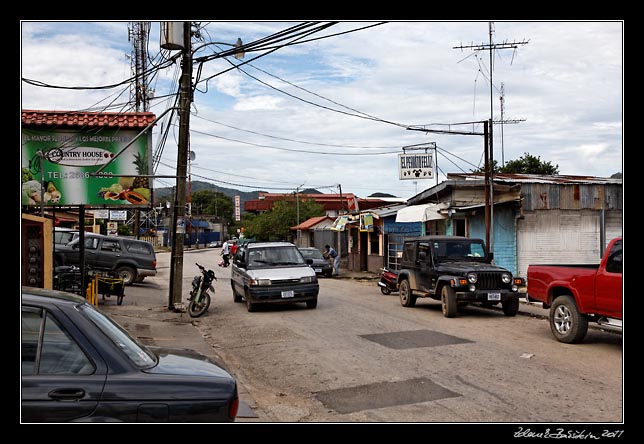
x,y
388,281
200,293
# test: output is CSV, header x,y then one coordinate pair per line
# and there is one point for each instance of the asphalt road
x,y
362,357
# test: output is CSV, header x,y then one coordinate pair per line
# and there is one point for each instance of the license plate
x,y
318,270
494,296
288,294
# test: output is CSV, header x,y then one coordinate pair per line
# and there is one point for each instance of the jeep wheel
x,y
448,301
566,322
510,307
406,298
128,274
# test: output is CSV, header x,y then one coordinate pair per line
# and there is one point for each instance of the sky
x,y
334,111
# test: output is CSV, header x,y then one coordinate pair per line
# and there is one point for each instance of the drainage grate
x,y
414,339
384,394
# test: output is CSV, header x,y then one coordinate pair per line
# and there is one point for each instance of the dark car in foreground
x,y
80,366
320,265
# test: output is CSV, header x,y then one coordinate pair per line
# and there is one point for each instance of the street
x,y
362,357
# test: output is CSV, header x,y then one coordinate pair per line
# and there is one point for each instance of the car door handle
x,y
67,394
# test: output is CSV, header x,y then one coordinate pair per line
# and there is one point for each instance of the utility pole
x,y
182,169
489,161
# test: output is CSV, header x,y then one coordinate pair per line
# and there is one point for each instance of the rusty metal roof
x,y
536,178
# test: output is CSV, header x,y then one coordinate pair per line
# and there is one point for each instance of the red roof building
x,y
333,204
80,119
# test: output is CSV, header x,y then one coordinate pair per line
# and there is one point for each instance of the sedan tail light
x,y
234,408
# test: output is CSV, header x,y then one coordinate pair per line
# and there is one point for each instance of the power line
x,y
290,149
292,140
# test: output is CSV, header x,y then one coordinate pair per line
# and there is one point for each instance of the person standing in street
x,y
225,252
329,252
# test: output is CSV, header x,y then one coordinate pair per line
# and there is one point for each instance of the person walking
x,y
329,252
225,252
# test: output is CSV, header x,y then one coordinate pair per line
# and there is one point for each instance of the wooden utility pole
x,y
182,170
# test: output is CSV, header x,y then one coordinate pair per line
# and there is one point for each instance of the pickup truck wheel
x,y
568,325
404,291
510,307
448,301
127,274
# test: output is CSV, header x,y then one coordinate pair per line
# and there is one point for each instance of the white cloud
x,y
565,85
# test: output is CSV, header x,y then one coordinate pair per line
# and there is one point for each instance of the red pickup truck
x,y
579,294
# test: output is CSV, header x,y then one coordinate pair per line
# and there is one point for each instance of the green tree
x,y
527,164
276,224
212,203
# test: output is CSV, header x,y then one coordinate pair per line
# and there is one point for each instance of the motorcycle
x,y
200,293
388,281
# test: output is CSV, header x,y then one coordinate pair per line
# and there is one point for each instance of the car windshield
x,y
274,256
312,253
459,250
136,352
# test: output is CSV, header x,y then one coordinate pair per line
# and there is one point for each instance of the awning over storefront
x,y
421,213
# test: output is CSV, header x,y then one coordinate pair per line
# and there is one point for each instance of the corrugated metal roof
x,y
537,178
388,210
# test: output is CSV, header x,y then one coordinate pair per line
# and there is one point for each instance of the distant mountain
x,y
163,194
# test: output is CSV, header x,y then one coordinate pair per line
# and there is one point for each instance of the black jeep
x,y
455,270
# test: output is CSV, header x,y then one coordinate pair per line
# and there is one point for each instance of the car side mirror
x,y
309,261
491,255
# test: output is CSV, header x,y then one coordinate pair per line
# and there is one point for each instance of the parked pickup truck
x,y
579,294
457,271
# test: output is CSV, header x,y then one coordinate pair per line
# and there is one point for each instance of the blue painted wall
x,y
409,229
505,246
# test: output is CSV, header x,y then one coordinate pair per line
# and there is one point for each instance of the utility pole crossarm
x,y
489,46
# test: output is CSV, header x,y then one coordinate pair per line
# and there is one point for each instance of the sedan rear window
x,y
137,353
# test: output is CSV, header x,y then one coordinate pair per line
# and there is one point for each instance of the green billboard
x,y
59,165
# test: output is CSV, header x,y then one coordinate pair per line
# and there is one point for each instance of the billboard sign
x,y
237,208
57,164
416,166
